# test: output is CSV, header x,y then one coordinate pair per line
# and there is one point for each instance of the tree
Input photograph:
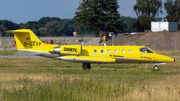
x,y
173,10
144,23
1,34
52,32
98,14
7,25
129,24
146,11
43,20
43,31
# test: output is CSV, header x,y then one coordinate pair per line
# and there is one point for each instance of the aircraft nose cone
x,y
164,58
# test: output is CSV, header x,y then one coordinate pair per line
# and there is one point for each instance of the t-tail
x,y
29,44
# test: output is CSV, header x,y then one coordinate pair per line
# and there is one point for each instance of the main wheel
x,y
86,66
156,67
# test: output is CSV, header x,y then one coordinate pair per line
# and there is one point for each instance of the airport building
x,y
164,25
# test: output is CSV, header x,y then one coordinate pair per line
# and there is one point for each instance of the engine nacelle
x,y
57,50
68,49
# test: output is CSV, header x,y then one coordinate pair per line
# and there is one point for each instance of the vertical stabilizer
x,y
27,40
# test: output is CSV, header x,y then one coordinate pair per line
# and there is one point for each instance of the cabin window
x,y
109,51
102,51
123,51
116,51
95,51
145,50
130,51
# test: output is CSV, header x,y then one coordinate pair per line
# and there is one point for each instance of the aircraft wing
x,y
97,59
87,59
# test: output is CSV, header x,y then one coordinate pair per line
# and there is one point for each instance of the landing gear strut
x,y
156,67
86,66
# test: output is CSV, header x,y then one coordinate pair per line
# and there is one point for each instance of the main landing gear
x,y
156,67
86,66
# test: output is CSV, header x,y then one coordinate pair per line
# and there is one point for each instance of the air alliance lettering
x,y
116,55
32,43
70,49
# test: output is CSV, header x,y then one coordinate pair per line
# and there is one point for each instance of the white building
x,y
160,26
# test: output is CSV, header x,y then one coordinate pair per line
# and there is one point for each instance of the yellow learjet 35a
x,y
29,44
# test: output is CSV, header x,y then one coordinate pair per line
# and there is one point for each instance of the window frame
x,y
123,51
101,51
95,51
147,49
109,51
104,51
115,51
130,51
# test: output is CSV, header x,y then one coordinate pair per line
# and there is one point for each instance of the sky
x,y
32,10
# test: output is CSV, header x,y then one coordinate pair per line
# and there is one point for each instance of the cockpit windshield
x,y
145,50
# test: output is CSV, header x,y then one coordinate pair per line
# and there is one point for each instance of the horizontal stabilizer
x,y
17,31
29,53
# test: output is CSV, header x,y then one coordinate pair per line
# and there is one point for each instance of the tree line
x,y
53,26
45,26
97,16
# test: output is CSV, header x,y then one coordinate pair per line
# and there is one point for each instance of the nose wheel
x,y
156,67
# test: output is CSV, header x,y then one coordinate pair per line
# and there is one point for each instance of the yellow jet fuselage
x,y
29,44
111,54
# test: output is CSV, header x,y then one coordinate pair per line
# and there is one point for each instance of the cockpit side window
x,y
145,50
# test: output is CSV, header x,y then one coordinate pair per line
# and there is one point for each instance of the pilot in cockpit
x,y
145,50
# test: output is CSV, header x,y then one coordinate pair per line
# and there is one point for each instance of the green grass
x,y
175,53
44,63
8,53
80,85
42,79
66,90
169,53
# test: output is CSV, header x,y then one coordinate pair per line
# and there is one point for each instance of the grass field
x,y
41,79
54,80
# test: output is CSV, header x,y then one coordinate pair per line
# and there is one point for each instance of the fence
x,y
67,40
8,43
155,43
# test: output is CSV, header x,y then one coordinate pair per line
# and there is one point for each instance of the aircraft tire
x,y
156,67
86,66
